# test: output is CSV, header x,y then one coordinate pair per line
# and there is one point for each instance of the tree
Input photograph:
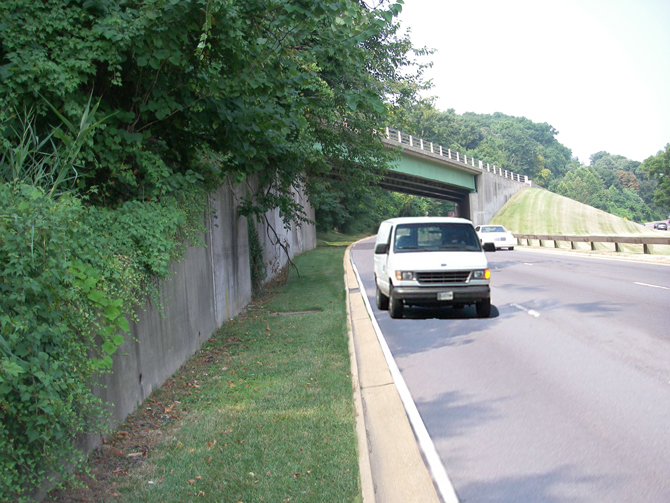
x,y
628,180
658,167
425,121
583,185
598,155
520,145
201,91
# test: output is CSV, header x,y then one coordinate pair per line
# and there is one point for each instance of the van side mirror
x,y
489,247
381,249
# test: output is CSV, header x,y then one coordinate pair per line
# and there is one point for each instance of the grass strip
x,y
264,412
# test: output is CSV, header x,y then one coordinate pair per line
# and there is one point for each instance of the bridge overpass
x,y
428,170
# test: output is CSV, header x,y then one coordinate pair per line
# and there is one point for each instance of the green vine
x,y
71,276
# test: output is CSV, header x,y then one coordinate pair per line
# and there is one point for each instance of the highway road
x,y
563,395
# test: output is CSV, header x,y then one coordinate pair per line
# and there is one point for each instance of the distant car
x,y
661,226
496,234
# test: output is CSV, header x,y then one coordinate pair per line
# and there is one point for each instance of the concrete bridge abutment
x,y
492,192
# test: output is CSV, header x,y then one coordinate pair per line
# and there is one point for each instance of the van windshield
x,y
435,237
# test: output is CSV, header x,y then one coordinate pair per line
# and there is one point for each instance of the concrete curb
x,y
390,462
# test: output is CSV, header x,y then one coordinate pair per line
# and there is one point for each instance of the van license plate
x,y
445,296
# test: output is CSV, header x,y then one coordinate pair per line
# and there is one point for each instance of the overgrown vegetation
x,y
70,276
206,91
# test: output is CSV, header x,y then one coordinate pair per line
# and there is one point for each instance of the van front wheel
x,y
381,299
484,308
395,305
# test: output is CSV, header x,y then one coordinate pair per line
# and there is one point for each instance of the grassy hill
x,y
538,211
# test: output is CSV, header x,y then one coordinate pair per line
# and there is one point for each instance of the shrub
x,y
69,276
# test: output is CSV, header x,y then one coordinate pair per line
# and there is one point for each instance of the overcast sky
x,y
598,71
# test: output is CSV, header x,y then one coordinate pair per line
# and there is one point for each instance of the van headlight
x,y
481,274
404,275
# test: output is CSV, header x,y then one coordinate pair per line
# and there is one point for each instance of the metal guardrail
x,y
406,139
645,241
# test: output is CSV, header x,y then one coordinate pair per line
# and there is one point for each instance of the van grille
x,y
443,277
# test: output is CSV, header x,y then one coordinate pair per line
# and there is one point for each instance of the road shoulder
x,y
391,465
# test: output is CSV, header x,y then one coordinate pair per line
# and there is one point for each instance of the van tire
x,y
484,308
395,305
381,299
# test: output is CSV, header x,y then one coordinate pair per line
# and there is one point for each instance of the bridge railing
x,y
406,139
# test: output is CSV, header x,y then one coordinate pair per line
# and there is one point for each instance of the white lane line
x,y
527,263
439,473
652,286
531,312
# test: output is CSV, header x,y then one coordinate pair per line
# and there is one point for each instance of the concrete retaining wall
x,y
297,239
493,191
208,287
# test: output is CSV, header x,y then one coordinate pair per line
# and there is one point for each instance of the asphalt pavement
x,y
395,462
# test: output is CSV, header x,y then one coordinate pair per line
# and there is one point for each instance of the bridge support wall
x,y
493,191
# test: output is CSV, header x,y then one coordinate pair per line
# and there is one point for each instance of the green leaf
x,y
12,368
97,296
112,312
109,347
122,323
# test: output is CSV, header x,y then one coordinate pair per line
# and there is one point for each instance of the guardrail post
x,y
431,148
647,250
421,143
556,245
458,157
411,144
441,154
465,159
399,137
572,245
593,246
618,248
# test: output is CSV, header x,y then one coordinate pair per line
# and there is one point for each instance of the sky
x,y
598,71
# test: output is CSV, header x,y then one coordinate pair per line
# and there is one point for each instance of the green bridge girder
x,y
420,172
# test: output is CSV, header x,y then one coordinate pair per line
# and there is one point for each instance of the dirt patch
x,y
295,313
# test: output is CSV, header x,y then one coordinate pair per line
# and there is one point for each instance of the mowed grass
x,y
265,409
537,211
333,238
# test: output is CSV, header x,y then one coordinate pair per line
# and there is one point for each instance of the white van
x,y
431,261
